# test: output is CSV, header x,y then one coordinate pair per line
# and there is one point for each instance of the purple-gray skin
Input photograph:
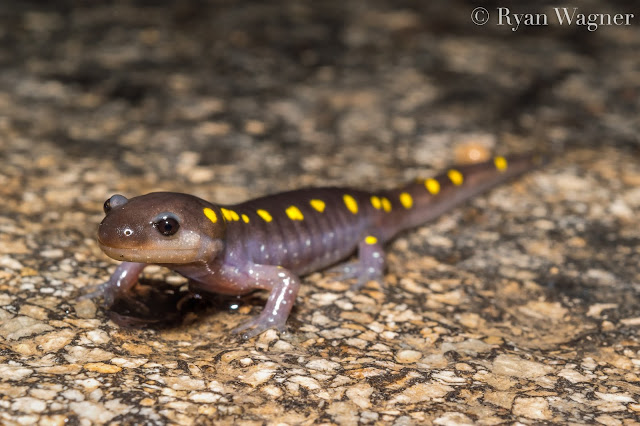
x,y
268,242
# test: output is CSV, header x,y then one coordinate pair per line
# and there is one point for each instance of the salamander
x,y
267,243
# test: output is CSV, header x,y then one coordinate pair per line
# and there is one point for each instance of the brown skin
x,y
186,234
130,231
265,243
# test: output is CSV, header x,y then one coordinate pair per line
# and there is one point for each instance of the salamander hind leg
x,y
369,266
370,262
283,286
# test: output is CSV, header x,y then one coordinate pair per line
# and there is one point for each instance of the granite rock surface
x,y
520,306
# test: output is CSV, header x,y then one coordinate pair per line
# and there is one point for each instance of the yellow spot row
x,y
294,213
433,186
229,215
381,203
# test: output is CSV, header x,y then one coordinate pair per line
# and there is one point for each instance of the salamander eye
x,y
166,226
113,202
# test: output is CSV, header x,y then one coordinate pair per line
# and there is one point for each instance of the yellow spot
x,y
351,203
210,214
294,213
501,163
371,240
376,203
318,205
432,185
386,204
264,215
406,200
227,214
245,218
455,177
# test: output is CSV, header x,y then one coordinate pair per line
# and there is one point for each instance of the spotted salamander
x,y
268,242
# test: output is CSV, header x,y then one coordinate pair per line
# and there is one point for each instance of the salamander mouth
x,y
149,255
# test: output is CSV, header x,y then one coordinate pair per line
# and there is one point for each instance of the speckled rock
x,y
520,307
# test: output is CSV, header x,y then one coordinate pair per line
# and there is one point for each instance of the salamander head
x,y
161,227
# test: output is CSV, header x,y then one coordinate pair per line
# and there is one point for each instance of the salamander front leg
x,y
118,285
283,286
